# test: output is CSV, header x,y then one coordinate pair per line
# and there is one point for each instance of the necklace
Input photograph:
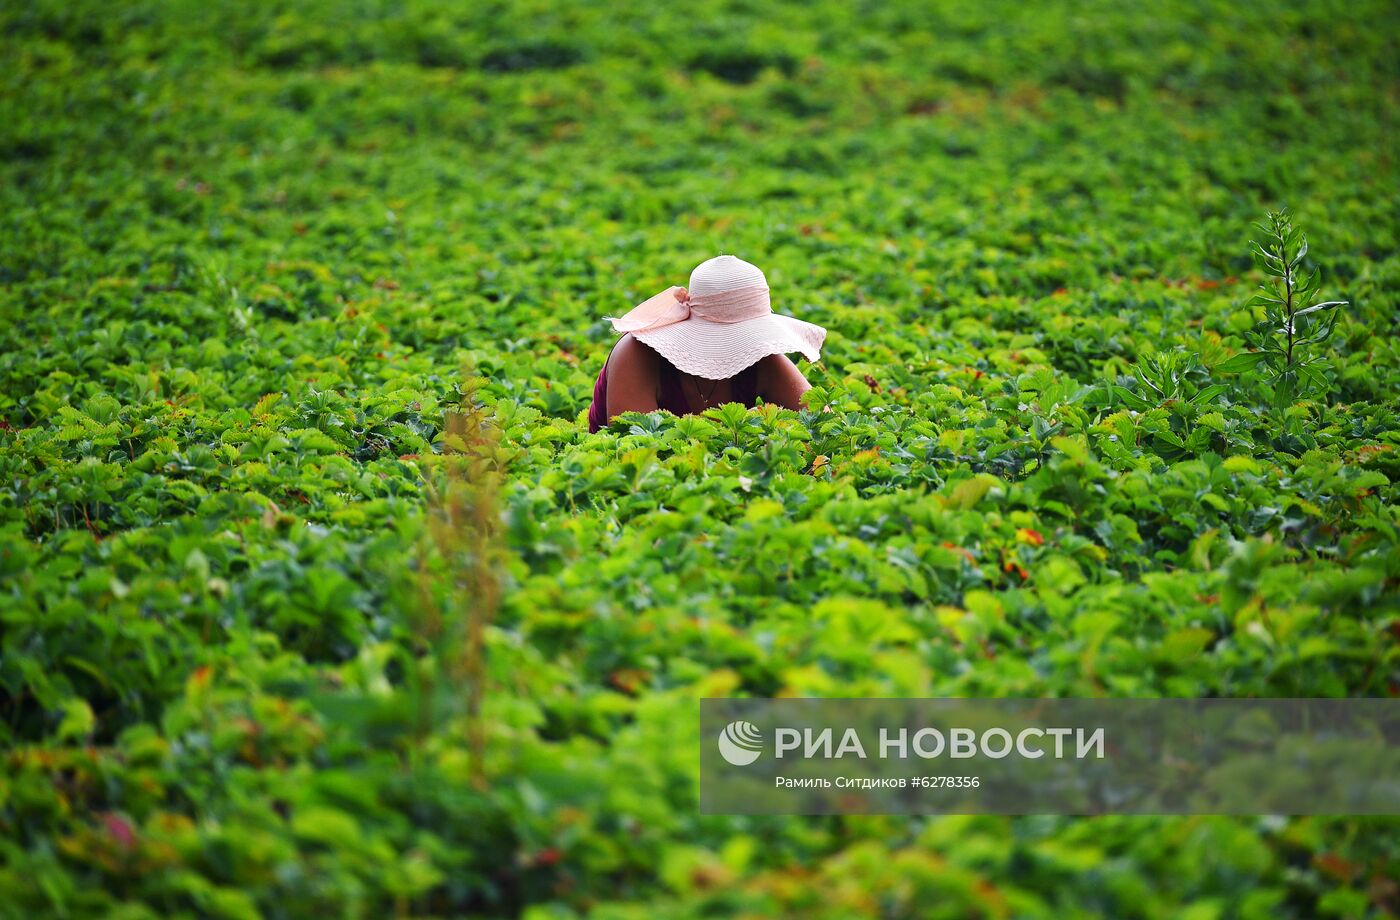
x,y
706,397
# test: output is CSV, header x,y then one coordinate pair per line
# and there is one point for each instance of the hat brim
x,y
717,351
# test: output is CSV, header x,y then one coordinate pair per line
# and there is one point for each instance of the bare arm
x,y
780,382
632,374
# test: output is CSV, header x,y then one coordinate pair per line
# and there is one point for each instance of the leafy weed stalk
x,y
1282,344
463,594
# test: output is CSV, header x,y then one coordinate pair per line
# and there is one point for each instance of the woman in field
x,y
719,341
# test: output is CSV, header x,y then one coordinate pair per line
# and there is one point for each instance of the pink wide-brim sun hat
x,y
722,324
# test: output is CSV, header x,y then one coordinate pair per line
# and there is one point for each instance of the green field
x,y
273,644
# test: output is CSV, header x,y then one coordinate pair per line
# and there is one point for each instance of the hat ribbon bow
x,y
675,305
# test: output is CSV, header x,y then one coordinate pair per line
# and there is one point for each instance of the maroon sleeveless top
x,y
671,395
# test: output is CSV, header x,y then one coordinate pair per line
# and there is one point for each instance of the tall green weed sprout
x,y
461,598
1283,343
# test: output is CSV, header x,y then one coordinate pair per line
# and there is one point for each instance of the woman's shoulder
x,y
632,350
631,359
771,367
779,381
